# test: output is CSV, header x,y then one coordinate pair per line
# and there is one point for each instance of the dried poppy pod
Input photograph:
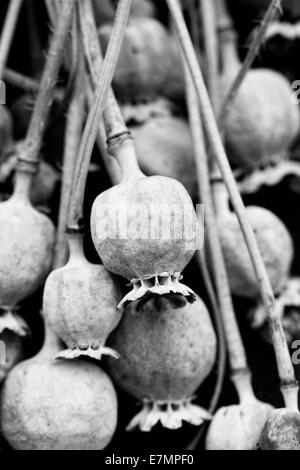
x,y
238,427
164,147
139,74
167,349
26,246
145,229
282,431
263,121
275,245
80,304
58,405
11,352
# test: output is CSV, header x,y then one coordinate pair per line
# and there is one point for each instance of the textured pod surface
x,y
238,427
282,431
58,406
164,147
139,74
26,245
80,305
263,122
167,348
142,206
275,245
11,352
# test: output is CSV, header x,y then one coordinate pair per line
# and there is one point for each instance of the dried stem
x,y
111,165
115,127
52,10
211,50
45,96
285,367
113,122
92,125
74,128
209,22
201,255
8,31
254,48
237,355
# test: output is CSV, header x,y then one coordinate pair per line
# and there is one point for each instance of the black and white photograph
x,y
149,228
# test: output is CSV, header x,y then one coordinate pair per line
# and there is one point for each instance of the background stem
x,y
8,31
237,355
74,127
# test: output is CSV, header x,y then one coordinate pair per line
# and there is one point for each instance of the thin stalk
x,y
113,119
45,96
237,355
116,130
27,84
284,363
8,31
111,165
113,122
211,50
92,124
221,367
254,48
53,8
201,258
74,128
